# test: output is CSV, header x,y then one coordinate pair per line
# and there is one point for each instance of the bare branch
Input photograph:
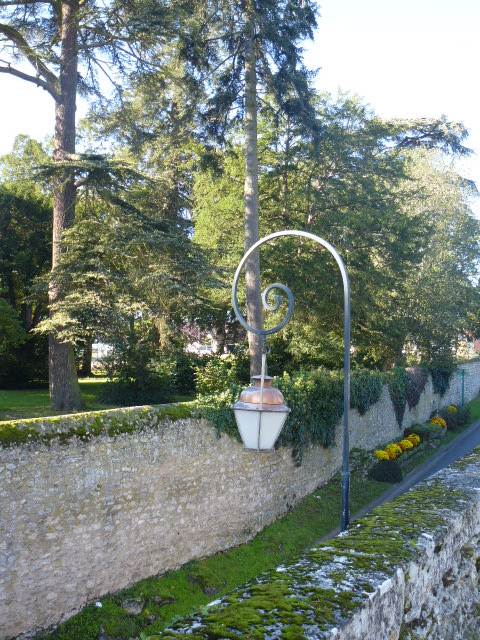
x,y
49,78
21,3
35,79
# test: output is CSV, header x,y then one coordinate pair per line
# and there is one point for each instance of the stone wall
x,y
79,519
409,570
380,425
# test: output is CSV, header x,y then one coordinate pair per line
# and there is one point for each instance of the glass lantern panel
x,y
271,425
248,423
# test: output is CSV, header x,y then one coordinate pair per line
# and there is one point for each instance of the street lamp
x,y
260,414
261,411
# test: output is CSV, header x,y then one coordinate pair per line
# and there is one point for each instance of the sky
x,y
405,58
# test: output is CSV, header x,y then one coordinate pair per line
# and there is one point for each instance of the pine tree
x,y
239,52
67,43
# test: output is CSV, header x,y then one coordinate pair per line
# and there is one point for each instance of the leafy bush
x,y
441,374
218,374
365,389
426,431
397,381
316,400
216,409
185,371
138,374
386,471
315,397
463,416
450,419
455,419
416,380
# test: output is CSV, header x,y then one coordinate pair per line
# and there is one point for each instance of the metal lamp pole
x,y
261,332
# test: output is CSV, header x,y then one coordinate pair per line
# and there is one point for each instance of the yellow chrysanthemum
x,y
405,445
393,451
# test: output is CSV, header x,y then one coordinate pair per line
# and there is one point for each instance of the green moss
x,y
210,581
293,599
10,433
117,623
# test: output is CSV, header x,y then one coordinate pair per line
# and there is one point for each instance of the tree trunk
x,y
86,361
218,339
64,389
252,266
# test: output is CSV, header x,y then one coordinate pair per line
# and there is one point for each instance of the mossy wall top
x,y
409,570
125,494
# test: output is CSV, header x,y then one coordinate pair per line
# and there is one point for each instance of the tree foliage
x,y
127,269
364,190
25,253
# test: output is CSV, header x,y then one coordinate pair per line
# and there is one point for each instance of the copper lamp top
x,y
273,399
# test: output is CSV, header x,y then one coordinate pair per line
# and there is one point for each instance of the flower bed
x,y
389,461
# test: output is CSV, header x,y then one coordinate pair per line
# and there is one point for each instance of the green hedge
x,y
315,397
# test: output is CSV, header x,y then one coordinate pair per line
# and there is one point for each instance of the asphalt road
x,y
463,444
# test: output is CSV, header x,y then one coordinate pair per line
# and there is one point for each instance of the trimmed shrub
x,y
386,471
426,431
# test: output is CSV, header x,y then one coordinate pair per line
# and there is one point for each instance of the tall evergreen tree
x,y
239,52
25,255
66,44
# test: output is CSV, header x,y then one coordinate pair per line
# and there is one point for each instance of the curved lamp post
x,y
261,411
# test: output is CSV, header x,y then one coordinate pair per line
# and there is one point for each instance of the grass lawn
x,y
35,403
180,593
